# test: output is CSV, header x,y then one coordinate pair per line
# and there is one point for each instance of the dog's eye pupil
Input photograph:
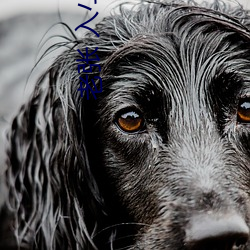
x,y
130,122
244,111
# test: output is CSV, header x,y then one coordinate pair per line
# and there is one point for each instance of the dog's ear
x,y
53,197
49,178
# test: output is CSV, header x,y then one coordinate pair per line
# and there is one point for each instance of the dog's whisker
x,y
119,225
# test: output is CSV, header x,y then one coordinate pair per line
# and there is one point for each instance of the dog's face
x,y
160,160
174,120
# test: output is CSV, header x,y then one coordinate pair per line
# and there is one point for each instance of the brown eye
x,y
130,121
243,113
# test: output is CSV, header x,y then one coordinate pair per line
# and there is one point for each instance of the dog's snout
x,y
217,232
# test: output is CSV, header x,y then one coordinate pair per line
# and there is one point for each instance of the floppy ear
x,y
53,198
51,186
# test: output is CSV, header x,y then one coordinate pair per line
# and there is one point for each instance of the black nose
x,y
217,232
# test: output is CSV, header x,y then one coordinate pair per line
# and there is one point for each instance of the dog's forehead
x,y
187,67
186,54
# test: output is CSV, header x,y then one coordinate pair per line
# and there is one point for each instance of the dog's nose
x,y
217,232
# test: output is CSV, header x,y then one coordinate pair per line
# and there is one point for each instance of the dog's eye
x,y
130,121
243,113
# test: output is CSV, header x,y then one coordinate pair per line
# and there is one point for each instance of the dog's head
x,y
161,157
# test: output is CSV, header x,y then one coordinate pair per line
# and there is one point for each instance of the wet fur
x,y
76,181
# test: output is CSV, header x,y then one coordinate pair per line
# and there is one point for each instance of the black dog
x,y
160,160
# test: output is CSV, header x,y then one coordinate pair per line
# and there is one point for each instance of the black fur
x,y
77,181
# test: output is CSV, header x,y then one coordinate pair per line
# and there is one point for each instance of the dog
x,y
159,159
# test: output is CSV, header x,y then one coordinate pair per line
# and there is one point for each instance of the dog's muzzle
x,y
217,232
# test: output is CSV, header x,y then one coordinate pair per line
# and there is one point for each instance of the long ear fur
x,y
51,187
54,199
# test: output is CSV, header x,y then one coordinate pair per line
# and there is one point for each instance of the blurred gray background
x,y
23,23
